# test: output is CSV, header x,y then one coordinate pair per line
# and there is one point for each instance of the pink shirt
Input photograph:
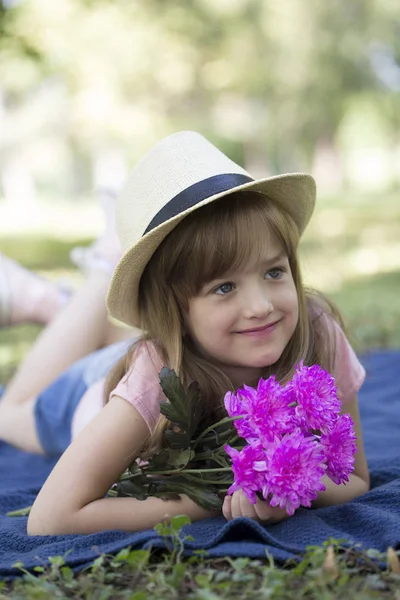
x,y
141,387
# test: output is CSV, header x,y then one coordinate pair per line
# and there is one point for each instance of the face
x,y
243,321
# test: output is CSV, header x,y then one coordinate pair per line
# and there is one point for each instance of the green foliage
x,y
333,571
192,462
182,410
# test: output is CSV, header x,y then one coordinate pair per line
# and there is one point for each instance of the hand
x,y
238,505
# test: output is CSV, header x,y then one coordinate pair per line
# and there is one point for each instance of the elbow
x,y
40,524
37,526
367,483
364,480
361,485
35,529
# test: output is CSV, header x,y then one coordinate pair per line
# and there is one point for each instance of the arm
x,y
72,499
358,483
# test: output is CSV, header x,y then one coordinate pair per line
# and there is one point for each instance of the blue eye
x,y
224,289
275,273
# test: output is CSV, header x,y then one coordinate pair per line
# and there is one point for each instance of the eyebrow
x,y
276,258
269,261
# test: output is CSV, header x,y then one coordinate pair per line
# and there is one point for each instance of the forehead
x,y
263,254
243,250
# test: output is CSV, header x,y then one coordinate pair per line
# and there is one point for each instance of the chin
x,y
268,360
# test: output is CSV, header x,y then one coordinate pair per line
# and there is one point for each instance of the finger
x,y
263,510
247,509
278,514
235,504
227,508
267,513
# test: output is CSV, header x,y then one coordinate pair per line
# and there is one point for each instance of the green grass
x,y
351,253
327,572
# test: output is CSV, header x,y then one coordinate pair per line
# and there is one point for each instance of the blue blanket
x,y
373,520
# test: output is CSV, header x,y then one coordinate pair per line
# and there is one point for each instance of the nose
x,y
257,302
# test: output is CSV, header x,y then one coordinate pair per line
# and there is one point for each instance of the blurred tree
x,y
270,82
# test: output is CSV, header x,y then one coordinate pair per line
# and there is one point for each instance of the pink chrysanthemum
x,y
236,406
315,392
339,445
295,466
248,466
270,412
267,409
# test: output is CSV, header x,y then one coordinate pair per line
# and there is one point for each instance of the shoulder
x,y
346,368
140,386
146,358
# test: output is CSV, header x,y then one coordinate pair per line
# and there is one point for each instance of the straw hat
x,y
179,175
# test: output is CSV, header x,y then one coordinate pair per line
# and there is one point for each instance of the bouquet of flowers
x,y
276,442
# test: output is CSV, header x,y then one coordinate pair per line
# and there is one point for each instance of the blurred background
x,y
87,86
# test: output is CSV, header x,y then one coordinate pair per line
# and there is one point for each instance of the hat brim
x,y
294,192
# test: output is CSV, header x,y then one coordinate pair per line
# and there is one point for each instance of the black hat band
x,y
196,193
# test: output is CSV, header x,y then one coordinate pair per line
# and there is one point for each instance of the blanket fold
x,y
372,520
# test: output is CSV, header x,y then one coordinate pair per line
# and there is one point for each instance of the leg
x,y
77,330
26,297
44,424
18,427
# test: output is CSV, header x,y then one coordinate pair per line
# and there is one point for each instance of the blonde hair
x,y
221,236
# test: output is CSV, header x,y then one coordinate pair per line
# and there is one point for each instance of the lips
x,y
260,329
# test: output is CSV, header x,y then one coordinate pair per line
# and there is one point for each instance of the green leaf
x,y
168,457
183,408
177,439
162,528
139,596
122,555
133,488
138,558
67,574
196,411
160,459
203,496
22,512
97,563
179,521
216,460
176,409
134,468
57,561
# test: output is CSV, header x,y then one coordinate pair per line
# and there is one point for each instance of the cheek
x,y
288,298
207,322
291,304
199,319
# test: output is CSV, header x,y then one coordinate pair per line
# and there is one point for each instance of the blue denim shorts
x,y
56,405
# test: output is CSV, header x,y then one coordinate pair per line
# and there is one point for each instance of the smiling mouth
x,y
260,329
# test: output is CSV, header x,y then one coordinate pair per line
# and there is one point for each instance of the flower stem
x,y
213,427
178,471
210,481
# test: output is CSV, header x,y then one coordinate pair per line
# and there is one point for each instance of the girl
x,y
210,275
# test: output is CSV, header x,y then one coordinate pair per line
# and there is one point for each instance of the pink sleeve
x,y
141,386
348,372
